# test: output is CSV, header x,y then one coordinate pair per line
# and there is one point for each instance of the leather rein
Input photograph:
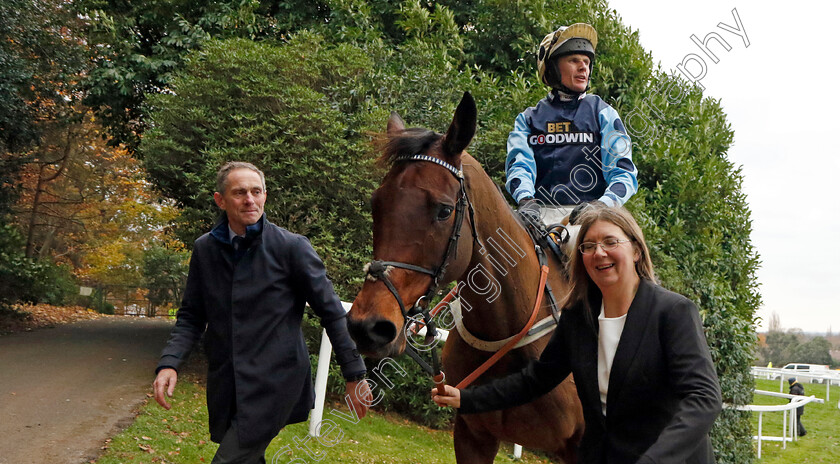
x,y
421,315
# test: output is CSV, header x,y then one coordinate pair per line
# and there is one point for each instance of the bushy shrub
x,y
28,280
165,274
97,302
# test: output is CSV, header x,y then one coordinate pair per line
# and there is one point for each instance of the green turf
x,y
180,436
822,421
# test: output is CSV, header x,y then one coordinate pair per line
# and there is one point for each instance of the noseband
x,y
378,269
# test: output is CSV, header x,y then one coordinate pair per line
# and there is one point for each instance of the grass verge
x,y
822,422
180,436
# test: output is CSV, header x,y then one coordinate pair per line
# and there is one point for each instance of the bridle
x,y
419,312
377,270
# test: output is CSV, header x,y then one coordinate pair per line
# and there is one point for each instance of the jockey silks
x,y
570,152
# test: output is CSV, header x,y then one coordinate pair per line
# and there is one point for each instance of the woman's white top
x,y
609,334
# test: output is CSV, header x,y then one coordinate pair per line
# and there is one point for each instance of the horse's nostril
x,y
383,331
372,334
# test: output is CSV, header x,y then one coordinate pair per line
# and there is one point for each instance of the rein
x,y
512,343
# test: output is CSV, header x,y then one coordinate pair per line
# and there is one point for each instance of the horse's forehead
x,y
420,175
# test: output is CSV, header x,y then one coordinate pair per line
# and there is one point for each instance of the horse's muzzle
x,y
373,337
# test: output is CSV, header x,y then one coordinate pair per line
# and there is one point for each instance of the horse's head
x,y
415,216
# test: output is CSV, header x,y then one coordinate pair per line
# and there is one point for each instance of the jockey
x,y
571,148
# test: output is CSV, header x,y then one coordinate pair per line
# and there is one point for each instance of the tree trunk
x,y
42,181
36,200
48,243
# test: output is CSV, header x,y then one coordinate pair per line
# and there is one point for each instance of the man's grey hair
x,y
224,171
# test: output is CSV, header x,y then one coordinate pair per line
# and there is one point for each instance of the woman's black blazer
x,y
663,394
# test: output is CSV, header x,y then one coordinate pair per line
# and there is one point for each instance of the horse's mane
x,y
411,141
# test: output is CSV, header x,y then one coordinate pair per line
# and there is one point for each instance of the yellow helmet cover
x,y
577,38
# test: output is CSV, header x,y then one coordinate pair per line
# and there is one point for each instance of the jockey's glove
x,y
529,209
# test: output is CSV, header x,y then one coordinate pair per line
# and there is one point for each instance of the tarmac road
x,y
63,391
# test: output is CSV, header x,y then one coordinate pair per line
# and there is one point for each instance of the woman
x,y
640,361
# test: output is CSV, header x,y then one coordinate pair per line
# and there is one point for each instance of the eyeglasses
x,y
588,248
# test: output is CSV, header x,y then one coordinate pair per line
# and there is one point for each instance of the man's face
x,y
574,71
243,199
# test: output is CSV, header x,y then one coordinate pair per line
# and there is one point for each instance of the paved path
x,y
63,391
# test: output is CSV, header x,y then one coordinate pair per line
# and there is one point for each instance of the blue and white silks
x,y
570,152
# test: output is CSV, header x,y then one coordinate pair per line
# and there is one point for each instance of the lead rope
x,y
509,346
440,378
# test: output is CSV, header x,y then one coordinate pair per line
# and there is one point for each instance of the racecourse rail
x,y
789,420
827,378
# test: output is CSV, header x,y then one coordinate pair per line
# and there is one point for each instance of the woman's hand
x,y
451,397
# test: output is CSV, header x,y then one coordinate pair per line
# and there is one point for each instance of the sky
x,y
780,93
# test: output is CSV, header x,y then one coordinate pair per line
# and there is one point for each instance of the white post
x,y
517,451
321,383
760,417
784,429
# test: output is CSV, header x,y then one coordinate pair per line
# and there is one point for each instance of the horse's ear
x,y
462,129
395,124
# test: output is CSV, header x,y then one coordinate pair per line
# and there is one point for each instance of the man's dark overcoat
x,y
797,389
663,391
251,307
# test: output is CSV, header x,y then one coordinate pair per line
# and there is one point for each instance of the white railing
x,y
827,378
788,420
324,355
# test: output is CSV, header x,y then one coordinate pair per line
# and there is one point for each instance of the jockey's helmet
x,y
567,40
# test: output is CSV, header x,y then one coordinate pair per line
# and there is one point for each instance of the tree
x,y
781,347
774,325
139,44
91,208
254,102
41,58
165,271
793,347
814,351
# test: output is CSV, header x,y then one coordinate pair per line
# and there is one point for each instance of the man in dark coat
x,y
248,283
796,388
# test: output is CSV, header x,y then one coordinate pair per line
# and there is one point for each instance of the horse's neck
x,y
502,279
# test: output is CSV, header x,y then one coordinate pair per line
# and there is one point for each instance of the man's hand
x,y
360,396
165,384
451,396
529,209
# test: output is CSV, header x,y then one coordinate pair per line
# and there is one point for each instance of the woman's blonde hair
x,y
582,285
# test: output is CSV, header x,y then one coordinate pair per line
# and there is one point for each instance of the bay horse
x,y
415,223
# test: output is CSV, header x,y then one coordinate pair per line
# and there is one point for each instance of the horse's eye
x,y
444,212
